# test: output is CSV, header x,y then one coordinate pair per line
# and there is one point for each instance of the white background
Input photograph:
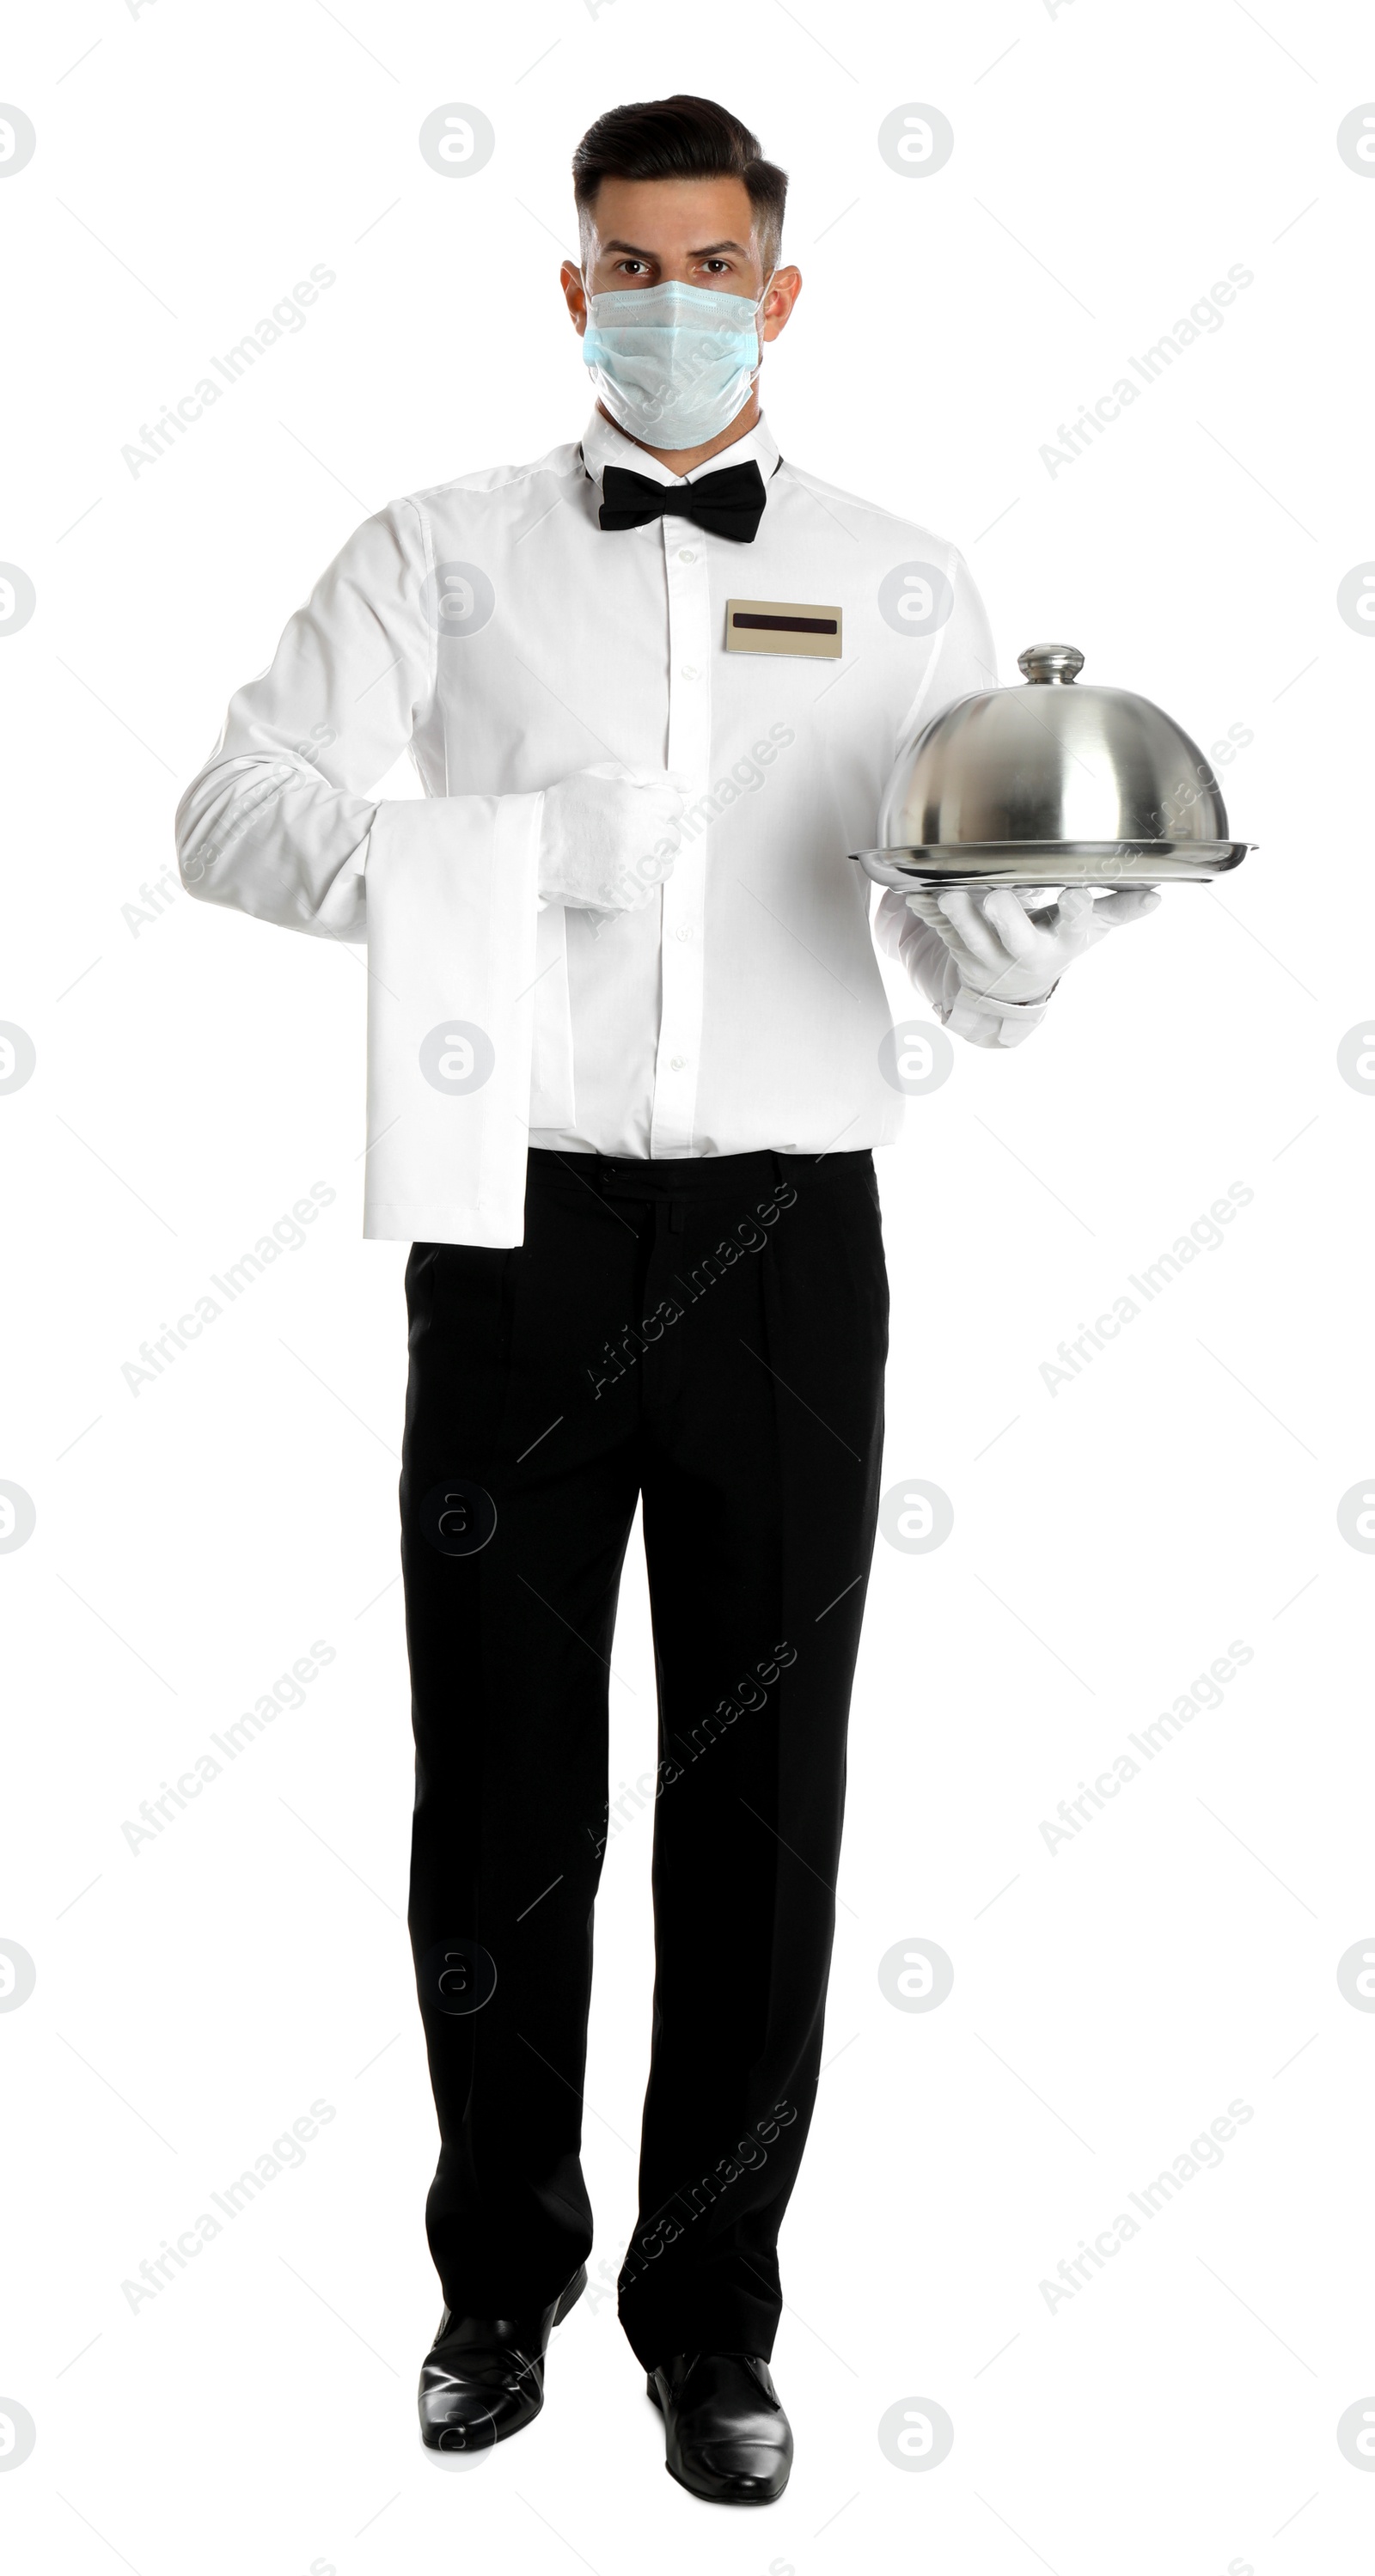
x,y
196,1073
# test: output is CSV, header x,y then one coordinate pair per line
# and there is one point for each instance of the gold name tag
x,y
783,626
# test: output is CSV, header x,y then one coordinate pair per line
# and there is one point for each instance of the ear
x,y
778,303
575,295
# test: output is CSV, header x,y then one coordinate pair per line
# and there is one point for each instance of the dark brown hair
x,y
681,138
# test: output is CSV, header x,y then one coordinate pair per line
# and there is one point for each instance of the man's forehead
x,y
711,208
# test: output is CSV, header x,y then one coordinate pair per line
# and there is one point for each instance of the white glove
x,y
1007,961
600,833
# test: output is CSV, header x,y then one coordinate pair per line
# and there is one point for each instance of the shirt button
x,y
676,1063
687,554
688,671
686,931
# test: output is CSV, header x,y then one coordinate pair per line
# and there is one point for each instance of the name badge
x,y
783,626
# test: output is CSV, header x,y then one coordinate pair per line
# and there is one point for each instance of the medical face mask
x,y
673,364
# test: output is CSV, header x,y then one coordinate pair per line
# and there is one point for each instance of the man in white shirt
x,y
624,1077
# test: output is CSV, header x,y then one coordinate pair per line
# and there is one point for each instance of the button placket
x,y
683,893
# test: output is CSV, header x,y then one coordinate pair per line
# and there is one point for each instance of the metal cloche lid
x,y
1053,783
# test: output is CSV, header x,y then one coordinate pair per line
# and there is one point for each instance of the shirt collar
x,y
603,444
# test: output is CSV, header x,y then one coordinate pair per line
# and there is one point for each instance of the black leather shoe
x,y
483,2377
728,2437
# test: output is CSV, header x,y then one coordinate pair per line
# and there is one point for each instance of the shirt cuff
x,y
986,1021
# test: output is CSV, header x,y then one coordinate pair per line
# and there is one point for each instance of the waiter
x,y
623,1082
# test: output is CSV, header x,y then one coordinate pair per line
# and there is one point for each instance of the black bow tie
x,y
727,504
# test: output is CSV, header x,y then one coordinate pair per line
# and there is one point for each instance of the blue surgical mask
x,y
673,364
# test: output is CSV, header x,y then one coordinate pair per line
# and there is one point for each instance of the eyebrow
x,y
708,251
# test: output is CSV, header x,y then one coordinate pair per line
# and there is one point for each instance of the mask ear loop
x,y
758,310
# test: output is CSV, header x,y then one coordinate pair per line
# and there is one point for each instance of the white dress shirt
x,y
492,628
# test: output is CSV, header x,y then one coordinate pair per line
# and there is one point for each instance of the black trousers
x,y
708,1336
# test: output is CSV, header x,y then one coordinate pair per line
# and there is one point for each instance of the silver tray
x,y
1052,863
